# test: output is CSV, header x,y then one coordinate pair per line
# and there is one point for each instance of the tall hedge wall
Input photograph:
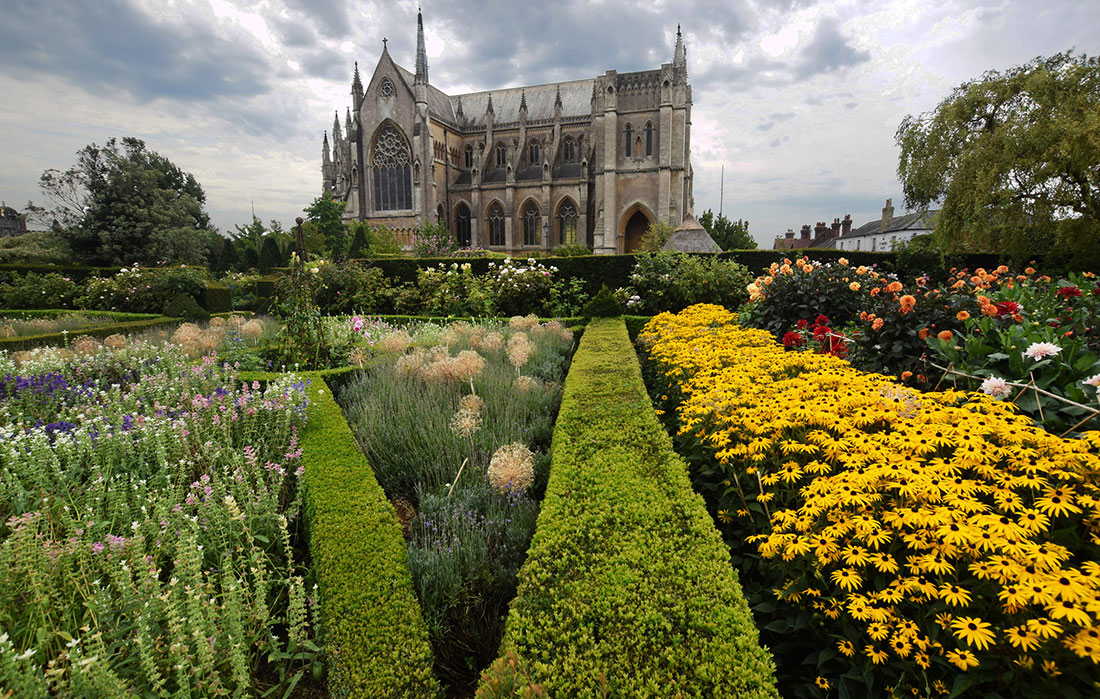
x,y
627,588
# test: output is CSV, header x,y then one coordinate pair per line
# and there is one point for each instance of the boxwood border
x,y
627,588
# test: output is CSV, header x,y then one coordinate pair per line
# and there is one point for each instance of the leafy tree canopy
x,y
324,213
730,235
1014,157
655,237
123,203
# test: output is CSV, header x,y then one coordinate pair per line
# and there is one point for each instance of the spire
x,y
557,98
356,88
458,111
347,123
523,100
325,150
679,57
421,54
489,108
336,127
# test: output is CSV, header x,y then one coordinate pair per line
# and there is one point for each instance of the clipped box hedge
x,y
627,589
376,641
27,342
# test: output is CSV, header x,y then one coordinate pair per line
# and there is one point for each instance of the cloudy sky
x,y
799,100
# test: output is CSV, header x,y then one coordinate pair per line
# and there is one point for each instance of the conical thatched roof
x,y
690,236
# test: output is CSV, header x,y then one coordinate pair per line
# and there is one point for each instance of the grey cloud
x,y
331,15
773,119
110,45
826,52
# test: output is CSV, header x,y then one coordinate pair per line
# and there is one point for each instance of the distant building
x,y
821,237
882,235
12,223
589,162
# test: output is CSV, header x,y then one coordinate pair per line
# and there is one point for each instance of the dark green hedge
x,y
627,588
55,312
376,641
216,298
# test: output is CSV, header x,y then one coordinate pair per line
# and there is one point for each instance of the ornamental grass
x,y
899,543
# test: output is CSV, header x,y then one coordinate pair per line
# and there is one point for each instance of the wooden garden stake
x,y
457,476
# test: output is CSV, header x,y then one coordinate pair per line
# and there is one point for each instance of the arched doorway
x,y
633,231
462,226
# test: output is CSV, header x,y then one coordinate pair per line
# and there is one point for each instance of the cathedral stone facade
x,y
589,162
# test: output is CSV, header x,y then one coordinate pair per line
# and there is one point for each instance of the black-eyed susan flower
x,y
962,659
1022,637
846,648
974,631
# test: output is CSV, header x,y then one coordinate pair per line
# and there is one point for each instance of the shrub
x,y
908,541
433,240
186,307
141,290
805,289
50,290
672,281
351,287
518,287
447,290
571,250
603,305
217,298
627,588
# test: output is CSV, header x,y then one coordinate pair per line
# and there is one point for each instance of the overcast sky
x,y
798,100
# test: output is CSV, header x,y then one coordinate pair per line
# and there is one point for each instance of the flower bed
x,y
897,541
151,528
455,421
627,590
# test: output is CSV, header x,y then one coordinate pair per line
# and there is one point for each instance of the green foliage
x,y
325,213
627,588
603,305
433,240
728,234
303,341
55,339
671,281
360,245
921,256
655,237
383,241
32,290
352,287
129,204
141,290
249,242
1012,156
447,291
571,250
269,257
217,298
376,640
798,294
36,247
185,306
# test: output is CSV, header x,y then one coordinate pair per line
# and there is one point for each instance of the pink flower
x,y
997,387
1093,381
1041,350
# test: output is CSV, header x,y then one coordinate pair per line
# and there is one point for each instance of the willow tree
x,y
1013,159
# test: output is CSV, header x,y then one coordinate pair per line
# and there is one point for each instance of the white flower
x,y
1093,381
1041,350
997,387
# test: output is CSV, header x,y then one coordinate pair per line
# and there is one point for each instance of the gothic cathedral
x,y
585,162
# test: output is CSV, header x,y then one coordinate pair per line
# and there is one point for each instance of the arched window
x,y
441,216
469,156
462,225
570,150
391,161
496,225
567,223
385,90
531,221
629,139
649,138
502,156
533,152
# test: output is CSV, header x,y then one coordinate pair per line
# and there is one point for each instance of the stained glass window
x,y
392,163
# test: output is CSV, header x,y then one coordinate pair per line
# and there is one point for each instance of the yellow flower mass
x,y
895,505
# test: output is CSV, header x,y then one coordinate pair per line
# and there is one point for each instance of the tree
x,y
249,240
1014,157
655,237
123,204
728,234
325,213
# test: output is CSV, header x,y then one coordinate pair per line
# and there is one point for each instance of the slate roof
x,y
919,220
690,236
439,104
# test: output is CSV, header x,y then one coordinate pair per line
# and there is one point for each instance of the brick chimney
x,y
846,225
836,227
820,229
887,215
790,234
805,233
